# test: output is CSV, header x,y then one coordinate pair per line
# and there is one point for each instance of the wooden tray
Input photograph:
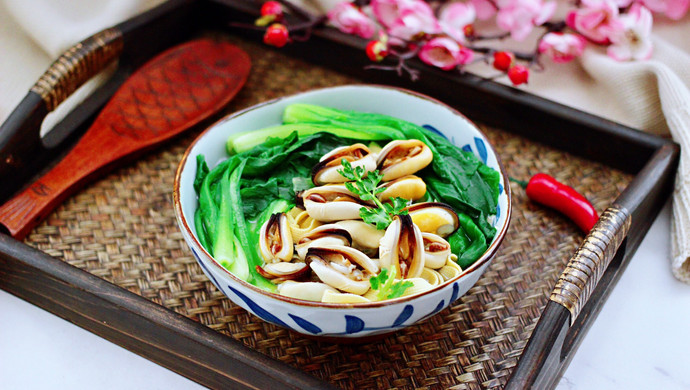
x,y
138,286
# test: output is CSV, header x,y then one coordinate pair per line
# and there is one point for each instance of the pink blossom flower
x,y
520,16
562,47
595,19
351,20
455,17
674,9
445,53
485,9
622,3
388,11
633,42
465,56
415,18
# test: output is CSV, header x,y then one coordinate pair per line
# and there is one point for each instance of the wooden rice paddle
x,y
169,94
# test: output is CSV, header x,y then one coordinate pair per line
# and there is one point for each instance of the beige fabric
x,y
55,25
33,33
651,95
656,93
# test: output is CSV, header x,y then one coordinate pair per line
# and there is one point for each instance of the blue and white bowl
x,y
339,320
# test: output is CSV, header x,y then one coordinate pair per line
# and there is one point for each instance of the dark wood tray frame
x,y
217,361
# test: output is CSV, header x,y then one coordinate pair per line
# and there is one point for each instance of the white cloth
x,y
55,25
651,95
656,94
33,33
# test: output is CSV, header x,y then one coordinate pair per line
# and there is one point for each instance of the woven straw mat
x,y
123,229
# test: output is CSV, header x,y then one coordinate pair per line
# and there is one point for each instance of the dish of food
x,y
343,205
313,213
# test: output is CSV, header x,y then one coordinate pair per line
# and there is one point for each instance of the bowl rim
x,y
485,258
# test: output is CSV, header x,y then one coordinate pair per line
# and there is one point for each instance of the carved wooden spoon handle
x,y
26,210
169,94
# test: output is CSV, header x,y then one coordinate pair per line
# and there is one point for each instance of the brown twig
x,y
307,28
499,36
401,67
302,31
523,56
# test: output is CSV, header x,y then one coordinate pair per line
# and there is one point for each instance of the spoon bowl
x,y
171,93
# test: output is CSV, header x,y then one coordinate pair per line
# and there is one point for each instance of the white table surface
x,y
639,340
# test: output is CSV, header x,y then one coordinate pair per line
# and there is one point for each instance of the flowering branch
x,y
401,67
307,28
277,32
444,35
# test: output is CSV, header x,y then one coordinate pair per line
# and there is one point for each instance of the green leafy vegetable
x,y
461,179
200,228
266,168
276,206
201,172
365,185
242,142
477,246
258,194
236,196
467,184
386,287
250,258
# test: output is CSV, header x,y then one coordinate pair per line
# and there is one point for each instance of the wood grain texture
x,y
168,95
77,65
553,343
475,344
481,99
123,230
22,150
161,335
24,153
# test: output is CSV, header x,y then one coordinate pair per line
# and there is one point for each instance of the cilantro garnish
x,y
365,185
387,287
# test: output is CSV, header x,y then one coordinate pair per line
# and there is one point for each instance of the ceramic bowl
x,y
338,320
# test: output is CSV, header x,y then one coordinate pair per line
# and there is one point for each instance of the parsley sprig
x,y
365,185
386,287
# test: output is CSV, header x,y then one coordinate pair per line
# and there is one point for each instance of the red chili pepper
x,y
546,190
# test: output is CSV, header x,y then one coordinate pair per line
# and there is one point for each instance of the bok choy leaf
x,y
266,169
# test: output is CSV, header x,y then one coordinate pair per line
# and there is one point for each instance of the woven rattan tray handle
x,y
20,139
592,272
77,65
585,268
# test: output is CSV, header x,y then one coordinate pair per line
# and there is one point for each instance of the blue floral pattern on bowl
x,y
337,320
353,324
481,152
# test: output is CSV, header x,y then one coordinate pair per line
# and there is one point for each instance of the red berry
x,y
376,51
271,8
518,74
276,35
468,30
503,60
